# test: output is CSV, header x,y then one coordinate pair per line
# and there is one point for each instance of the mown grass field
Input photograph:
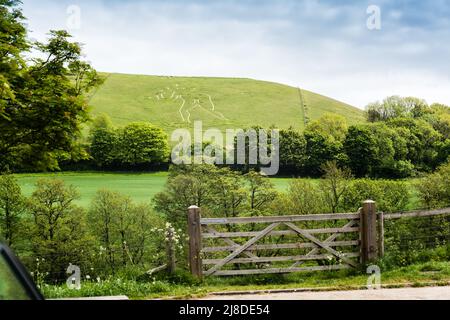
x,y
223,103
140,187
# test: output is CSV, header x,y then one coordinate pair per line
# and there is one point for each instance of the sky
x,y
343,48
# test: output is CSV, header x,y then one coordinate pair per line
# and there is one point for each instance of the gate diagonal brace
x,y
330,239
241,249
230,242
320,244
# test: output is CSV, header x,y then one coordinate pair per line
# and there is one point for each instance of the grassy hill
x,y
176,102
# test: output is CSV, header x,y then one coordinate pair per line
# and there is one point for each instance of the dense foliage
x,y
395,147
137,145
220,192
50,231
42,100
403,137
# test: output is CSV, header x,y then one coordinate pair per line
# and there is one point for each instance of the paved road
x,y
431,293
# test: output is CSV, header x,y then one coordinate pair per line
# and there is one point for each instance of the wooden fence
x,y
327,241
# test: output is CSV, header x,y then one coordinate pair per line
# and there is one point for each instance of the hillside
x,y
176,102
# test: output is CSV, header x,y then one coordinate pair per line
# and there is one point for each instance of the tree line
x,y
406,143
403,144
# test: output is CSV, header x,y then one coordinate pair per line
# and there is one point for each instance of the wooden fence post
x,y
195,241
369,244
381,235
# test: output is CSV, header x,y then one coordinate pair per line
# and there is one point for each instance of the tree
x,y
220,192
102,121
140,240
13,43
102,216
12,210
42,103
440,119
248,145
186,186
143,144
228,194
359,145
104,147
334,184
397,107
390,157
59,235
390,195
444,152
434,190
422,142
122,229
292,150
261,192
302,198
319,149
330,125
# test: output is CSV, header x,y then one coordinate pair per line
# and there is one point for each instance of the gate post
x,y
195,241
368,229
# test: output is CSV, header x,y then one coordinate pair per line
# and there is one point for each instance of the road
x,y
429,293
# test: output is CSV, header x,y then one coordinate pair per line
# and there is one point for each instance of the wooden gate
x,y
279,244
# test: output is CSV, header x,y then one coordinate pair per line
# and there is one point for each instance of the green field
x,y
140,187
223,103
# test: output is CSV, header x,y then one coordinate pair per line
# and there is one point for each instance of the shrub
x,y
434,190
138,145
12,210
143,144
129,235
104,147
410,241
302,198
391,196
59,235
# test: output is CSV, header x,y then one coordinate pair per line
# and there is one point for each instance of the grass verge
x,y
426,274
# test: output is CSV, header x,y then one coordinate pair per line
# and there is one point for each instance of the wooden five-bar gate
x,y
282,244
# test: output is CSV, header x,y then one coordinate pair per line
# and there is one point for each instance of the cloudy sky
x,y
320,45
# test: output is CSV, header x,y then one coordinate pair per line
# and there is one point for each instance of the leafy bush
x,y
391,196
434,190
59,233
417,240
138,145
142,144
130,236
302,198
